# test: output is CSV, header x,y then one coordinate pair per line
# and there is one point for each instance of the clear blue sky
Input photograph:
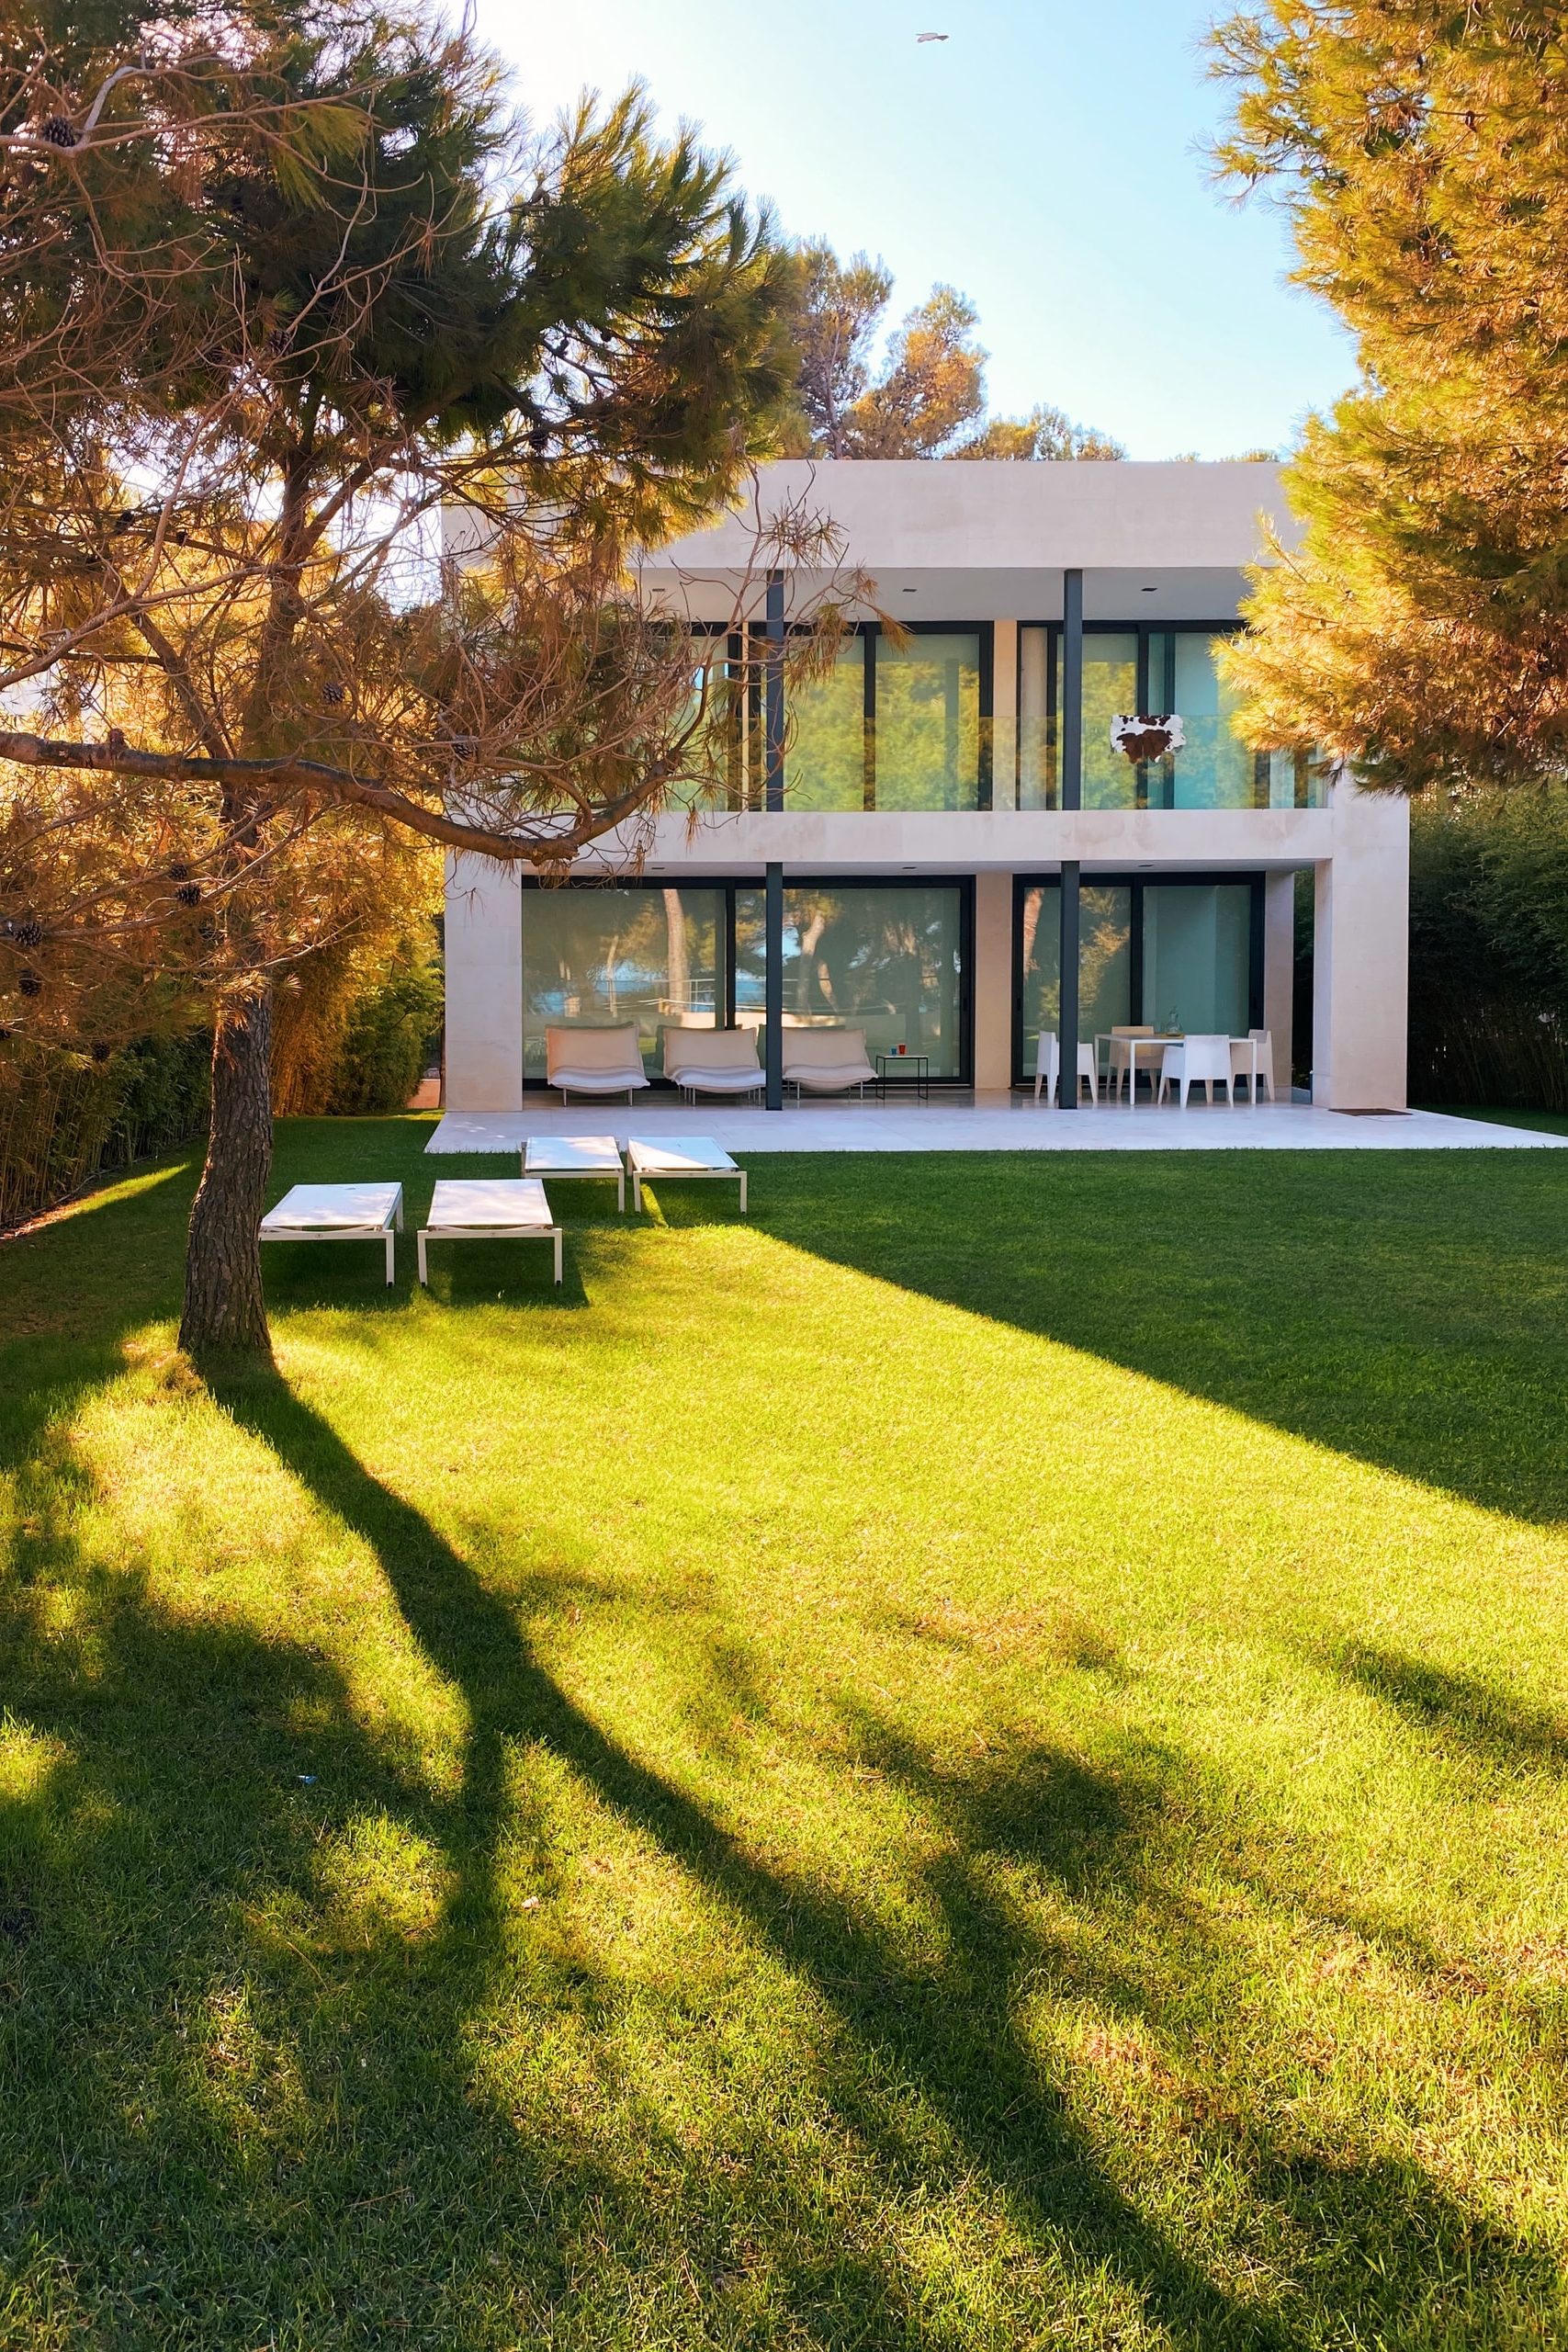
x,y
1045,159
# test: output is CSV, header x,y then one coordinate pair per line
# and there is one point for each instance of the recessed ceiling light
x,y
911,592
1151,591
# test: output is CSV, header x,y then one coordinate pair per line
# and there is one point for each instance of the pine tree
x,y
284,291
1421,150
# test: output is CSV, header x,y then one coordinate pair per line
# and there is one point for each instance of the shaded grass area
x,y
976,1759
1552,1122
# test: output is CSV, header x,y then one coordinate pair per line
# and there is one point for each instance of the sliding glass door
x,y
1105,962
652,956
1182,954
887,958
892,959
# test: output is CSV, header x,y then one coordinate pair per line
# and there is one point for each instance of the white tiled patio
x,y
989,1122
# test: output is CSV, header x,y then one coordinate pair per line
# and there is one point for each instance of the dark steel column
x,y
773,987
1067,1021
774,696
1072,798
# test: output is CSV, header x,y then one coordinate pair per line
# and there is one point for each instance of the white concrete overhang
x,y
991,541
887,842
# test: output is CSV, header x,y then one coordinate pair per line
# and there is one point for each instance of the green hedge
x,y
65,1117
1489,950
391,1031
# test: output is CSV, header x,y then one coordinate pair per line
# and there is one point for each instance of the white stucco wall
x,y
484,986
1280,972
1361,956
992,980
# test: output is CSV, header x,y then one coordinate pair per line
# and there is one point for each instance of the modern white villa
x,y
938,829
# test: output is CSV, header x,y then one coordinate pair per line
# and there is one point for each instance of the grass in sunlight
x,y
976,1759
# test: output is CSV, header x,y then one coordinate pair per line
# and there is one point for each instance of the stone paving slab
x,y
1000,1123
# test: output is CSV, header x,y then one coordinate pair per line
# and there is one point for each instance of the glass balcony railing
x,y
1162,671
909,728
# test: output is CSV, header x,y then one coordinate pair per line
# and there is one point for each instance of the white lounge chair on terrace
x,y
490,1208
338,1213
713,1061
594,1061
825,1061
558,1156
1048,1068
1197,1061
663,1158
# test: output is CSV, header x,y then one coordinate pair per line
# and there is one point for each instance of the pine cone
x,y
100,1051
189,894
30,983
59,130
179,872
27,934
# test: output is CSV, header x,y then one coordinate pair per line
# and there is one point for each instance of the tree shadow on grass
x,y
1458,1711
1406,1309
947,2026
240,2106
950,2038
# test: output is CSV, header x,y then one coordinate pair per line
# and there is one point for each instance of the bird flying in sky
x,y
921,36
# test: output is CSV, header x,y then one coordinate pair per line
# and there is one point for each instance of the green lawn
x,y
979,1758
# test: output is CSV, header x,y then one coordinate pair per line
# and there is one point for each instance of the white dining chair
x,y
1048,1068
1253,1060
1122,1062
1197,1061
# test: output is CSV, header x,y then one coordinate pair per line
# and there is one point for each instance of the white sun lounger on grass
x,y
338,1213
678,1157
488,1208
576,1156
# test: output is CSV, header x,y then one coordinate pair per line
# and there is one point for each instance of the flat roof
x,y
961,539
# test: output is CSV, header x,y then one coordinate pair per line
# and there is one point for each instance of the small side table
x,y
910,1070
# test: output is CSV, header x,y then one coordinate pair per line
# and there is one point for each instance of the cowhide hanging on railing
x,y
1144,738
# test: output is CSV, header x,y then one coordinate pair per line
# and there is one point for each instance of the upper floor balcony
x,y
1007,582
969,718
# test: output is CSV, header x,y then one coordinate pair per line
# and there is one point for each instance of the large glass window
x,y
825,762
1105,961
1198,956
599,957
927,721
1110,689
886,960
1179,673
1177,955
1214,769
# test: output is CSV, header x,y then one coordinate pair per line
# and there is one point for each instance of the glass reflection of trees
x,y
650,955
885,960
1105,945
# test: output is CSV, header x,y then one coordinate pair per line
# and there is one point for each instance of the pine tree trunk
x,y
224,1306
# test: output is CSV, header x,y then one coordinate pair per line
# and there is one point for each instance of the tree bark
x,y
225,1308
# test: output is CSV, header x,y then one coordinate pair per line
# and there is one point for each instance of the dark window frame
x,y
1137,883
869,633
1143,631
729,884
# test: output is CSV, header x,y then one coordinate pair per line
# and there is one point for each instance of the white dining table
x,y
1156,1044
1107,1038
